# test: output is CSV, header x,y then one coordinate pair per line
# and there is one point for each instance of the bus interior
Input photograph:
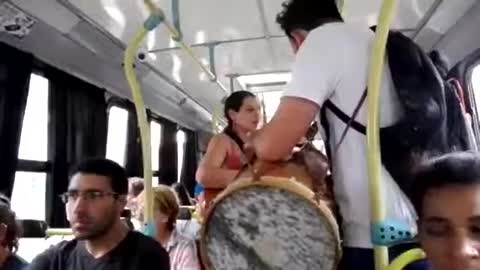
x,y
64,96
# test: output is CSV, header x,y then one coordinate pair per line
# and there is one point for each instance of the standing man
x,y
332,63
96,196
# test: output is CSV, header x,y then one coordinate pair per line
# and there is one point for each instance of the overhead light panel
x,y
266,79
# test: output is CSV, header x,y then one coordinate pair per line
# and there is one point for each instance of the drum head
x,y
270,226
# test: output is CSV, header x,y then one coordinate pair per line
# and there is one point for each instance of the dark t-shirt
x,y
136,251
14,262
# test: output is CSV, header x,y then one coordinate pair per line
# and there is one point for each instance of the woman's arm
x,y
210,172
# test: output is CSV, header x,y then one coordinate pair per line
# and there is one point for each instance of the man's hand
x,y
289,124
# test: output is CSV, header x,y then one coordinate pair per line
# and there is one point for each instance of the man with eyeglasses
x,y
94,201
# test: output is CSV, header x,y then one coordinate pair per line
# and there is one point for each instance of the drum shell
x,y
286,184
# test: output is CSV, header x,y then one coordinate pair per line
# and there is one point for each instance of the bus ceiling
x,y
238,41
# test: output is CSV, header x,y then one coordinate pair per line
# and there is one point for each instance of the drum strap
x,y
350,121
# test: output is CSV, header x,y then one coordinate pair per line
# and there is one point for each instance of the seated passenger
x,y
224,157
135,187
446,195
9,233
96,196
182,250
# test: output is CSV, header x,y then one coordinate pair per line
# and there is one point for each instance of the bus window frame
x,y
37,166
474,104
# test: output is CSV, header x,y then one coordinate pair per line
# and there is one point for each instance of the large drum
x,y
271,218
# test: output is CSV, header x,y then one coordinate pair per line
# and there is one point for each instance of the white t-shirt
x,y
333,63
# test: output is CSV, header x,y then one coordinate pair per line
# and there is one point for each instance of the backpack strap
x,y
349,121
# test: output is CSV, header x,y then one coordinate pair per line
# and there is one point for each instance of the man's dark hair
x,y
104,167
455,169
307,14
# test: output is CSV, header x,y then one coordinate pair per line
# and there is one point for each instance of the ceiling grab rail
x,y
382,229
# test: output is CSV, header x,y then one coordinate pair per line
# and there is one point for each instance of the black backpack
x,y
423,131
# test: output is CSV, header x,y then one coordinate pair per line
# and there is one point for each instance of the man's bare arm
x,y
289,124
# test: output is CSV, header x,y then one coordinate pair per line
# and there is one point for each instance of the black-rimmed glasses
x,y
90,195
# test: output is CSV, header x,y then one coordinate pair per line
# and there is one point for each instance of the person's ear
x,y
232,115
297,37
122,201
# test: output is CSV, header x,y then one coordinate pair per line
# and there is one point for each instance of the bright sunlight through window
x,y
33,146
181,140
28,195
271,100
476,85
34,137
155,138
117,134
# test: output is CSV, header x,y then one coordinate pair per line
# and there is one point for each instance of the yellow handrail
x,y
406,258
128,61
156,17
373,129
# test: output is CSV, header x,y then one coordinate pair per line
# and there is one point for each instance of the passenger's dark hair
x,y
7,217
234,102
182,194
104,167
455,169
307,14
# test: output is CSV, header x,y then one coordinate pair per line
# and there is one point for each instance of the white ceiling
x,y
221,20
170,74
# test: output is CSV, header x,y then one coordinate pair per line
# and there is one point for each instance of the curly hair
x,y
307,14
8,219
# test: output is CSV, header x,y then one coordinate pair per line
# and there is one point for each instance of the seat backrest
x,y
33,228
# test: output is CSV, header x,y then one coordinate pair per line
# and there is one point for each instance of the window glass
x,y
181,151
28,195
271,100
155,138
117,134
34,136
476,85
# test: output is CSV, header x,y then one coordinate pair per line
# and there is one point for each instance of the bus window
x,y
476,85
155,138
271,100
181,140
117,134
33,147
34,136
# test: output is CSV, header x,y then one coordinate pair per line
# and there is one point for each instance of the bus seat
x,y
33,228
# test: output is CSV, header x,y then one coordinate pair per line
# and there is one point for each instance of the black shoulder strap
x,y
349,121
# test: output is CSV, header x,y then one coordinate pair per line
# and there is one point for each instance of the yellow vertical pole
x,y
377,61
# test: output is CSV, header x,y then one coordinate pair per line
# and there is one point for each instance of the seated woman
x,y
224,157
446,195
182,250
9,233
